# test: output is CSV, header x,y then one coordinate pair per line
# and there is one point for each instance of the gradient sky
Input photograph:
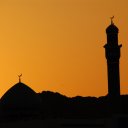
x,y
58,44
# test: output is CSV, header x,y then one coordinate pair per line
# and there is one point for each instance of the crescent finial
x,y
19,77
112,19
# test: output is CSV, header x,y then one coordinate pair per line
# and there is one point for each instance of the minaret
x,y
112,53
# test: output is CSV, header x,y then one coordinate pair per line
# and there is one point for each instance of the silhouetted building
x,y
20,101
112,52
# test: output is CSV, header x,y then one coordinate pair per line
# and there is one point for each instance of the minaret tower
x,y
112,53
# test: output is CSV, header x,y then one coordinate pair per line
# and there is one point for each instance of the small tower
x,y
112,53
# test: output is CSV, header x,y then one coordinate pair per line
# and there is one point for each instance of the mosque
x,y
21,101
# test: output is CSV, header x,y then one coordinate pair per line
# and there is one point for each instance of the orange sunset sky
x,y
58,44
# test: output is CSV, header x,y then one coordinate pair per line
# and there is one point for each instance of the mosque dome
x,y
112,29
20,99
